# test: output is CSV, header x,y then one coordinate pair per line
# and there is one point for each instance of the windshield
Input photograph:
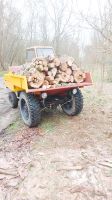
x,y
30,54
44,52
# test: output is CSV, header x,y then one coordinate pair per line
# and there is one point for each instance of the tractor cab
x,y
39,52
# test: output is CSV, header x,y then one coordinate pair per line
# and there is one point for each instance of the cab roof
x,y
35,47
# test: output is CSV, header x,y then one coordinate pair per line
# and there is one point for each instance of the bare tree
x,y
61,16
47,23
10,33
54,21
100,50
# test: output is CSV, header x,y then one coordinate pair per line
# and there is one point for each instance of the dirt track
x,y
7,115
65,158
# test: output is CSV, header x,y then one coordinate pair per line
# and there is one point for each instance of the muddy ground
x,y
7,115
65,158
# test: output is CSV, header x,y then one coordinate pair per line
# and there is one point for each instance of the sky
x,y
86,6
91,8
83,5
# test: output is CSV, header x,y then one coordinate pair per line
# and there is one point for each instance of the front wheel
x,y
30,109
74,104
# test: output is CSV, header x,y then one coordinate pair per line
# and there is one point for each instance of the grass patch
x,y
15,126
48,126
50,121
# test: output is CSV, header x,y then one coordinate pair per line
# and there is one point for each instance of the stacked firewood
x,y
52,72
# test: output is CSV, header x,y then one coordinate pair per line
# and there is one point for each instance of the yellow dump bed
x,y
15,83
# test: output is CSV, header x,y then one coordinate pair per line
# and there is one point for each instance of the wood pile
x,y
52,72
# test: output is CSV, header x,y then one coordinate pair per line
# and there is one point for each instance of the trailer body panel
x,y
17,83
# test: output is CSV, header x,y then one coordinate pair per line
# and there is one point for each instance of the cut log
x,y
57,62
32,65
44,63
30,79
54,71
64,77
63,67
46,82
50,79
32,71
79,76
40,62
40,68
74,67
70,61
40,75
50,58
39,79
56,81
51,65
71,79
46,87
45,69
37,62
34,85
49,73
69,71
59,72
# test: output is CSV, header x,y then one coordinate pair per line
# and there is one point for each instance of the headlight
x,y
44,95
74,91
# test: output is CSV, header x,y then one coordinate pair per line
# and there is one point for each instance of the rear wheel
x,y
13,99
30,109
74,104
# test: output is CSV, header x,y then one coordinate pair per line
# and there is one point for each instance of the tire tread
x,y
34,109
78,102
78,98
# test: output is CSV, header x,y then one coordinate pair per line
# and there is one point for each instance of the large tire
x,y
30,109
13,100
74,105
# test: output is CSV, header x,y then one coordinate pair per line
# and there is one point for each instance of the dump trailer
x,y
33,101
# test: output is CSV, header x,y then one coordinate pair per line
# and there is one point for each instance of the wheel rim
x,y
24,108
69,107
